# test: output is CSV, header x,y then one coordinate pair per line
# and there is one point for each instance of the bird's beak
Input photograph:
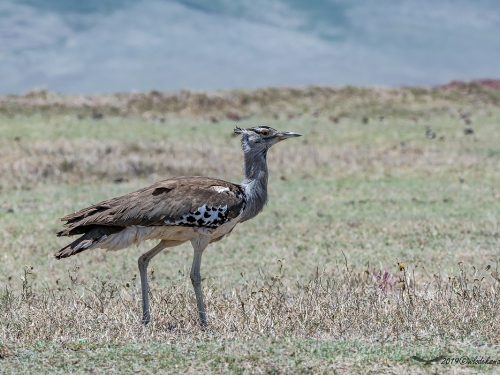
x,y
285,135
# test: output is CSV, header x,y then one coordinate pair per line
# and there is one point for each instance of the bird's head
x,y
262,137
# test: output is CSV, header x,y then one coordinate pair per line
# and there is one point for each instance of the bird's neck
x,y
255,183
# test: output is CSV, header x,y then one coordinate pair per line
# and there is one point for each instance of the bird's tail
x,y
95,235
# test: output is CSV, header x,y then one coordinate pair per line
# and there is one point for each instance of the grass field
x,y
378,243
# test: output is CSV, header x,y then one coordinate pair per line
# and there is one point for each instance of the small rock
x,y
233,116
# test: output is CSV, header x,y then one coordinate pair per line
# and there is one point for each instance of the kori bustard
x,y
197,209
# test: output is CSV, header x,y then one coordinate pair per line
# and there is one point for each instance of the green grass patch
x,y
377,244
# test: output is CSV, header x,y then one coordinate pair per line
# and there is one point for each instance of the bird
x,y
198,209
430,134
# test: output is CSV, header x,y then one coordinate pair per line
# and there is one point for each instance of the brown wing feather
x,y
166,200
91,236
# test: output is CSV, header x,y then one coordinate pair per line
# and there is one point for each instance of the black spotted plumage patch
x,y
204,216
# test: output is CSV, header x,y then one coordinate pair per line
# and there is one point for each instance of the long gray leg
x,y
143,269
199,244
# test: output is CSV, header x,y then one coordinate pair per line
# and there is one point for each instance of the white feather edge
x,y
136,234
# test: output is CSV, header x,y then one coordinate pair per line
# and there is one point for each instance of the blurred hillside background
x,y
105,46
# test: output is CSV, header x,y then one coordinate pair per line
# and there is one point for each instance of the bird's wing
x,y
186,201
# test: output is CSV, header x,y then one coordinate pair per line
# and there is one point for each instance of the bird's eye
x,y
264,132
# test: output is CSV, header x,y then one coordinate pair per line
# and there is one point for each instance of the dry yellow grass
x,y
276,102
338,305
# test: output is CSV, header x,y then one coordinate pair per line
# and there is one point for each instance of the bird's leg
x,y
199,244
196,281
143,269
